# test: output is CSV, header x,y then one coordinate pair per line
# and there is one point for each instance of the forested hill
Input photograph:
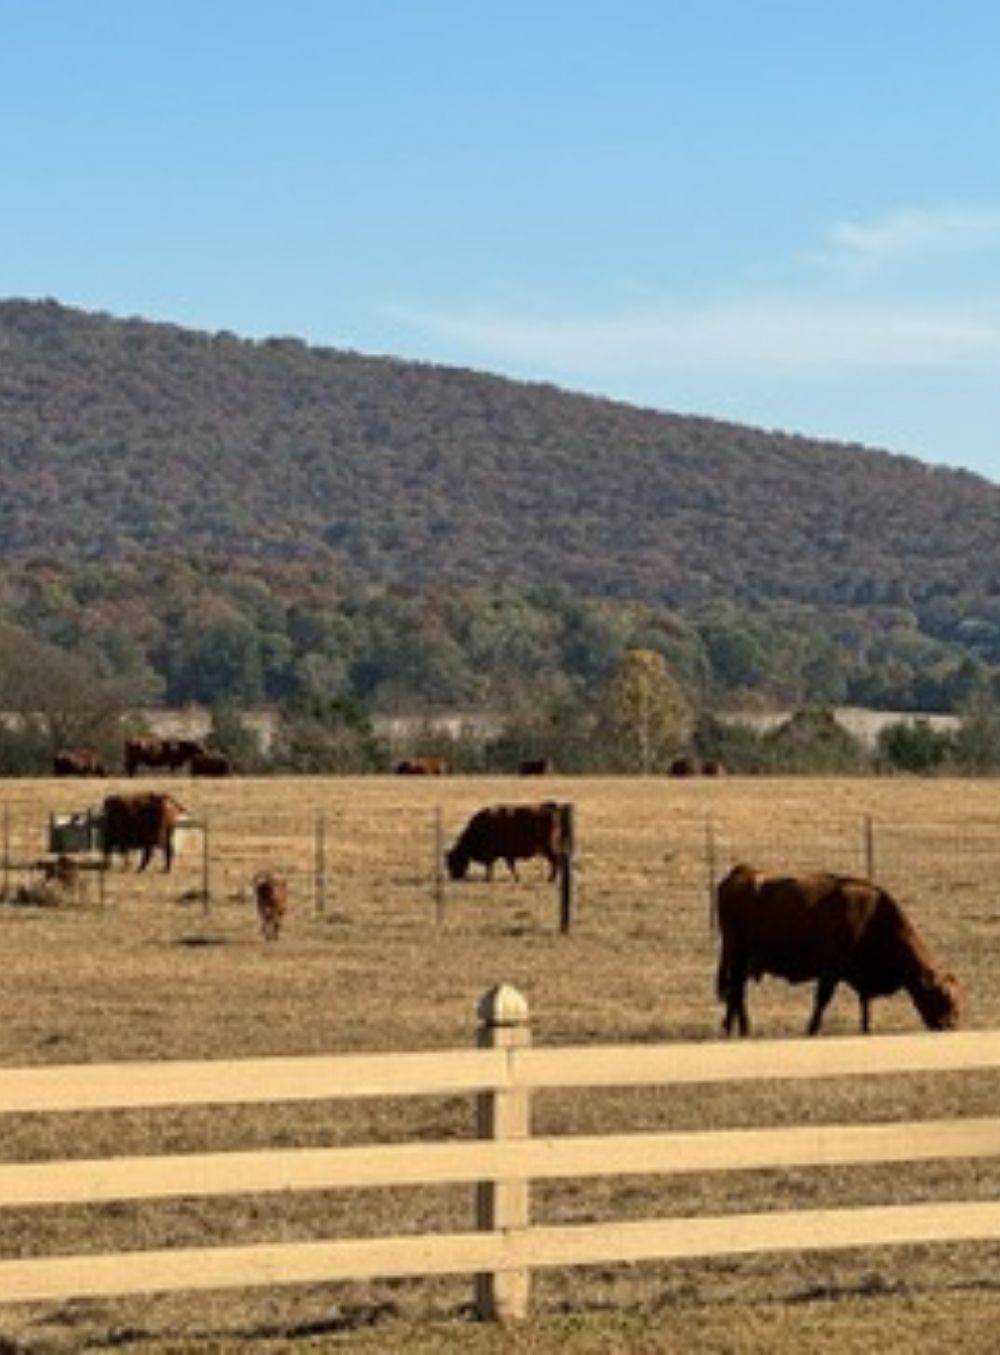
x,y
122,440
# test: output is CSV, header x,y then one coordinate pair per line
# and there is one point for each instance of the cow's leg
x,y
147,853
733,989
168,853
511,866
730,985
825,989
866,1013
736,1008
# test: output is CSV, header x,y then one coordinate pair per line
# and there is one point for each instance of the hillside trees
x,y
124,442
232,632
227,520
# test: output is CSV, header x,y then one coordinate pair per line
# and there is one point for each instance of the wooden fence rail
x,y
503,1247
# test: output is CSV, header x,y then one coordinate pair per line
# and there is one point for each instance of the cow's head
x,y
938,1000
457,861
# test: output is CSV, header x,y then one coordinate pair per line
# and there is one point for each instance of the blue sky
x,y
783,212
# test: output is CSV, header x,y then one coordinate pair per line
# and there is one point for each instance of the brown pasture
x,y
154,973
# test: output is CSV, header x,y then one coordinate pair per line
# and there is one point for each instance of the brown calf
x,y
272,902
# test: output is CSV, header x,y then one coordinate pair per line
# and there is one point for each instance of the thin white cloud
x,y
765,338
919,232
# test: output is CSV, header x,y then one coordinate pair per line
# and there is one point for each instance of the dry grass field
x,y
372,960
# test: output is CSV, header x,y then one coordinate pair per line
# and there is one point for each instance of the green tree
x,y
734,743
232,736
646,715
976,743
319,735
813,741
913,746
56,701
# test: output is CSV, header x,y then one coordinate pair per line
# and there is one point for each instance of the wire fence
x,y
387,867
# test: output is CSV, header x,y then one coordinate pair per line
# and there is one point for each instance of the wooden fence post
x,y
503,1206
566,895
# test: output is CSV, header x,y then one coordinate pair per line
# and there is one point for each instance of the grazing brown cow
x,y
272,902
713,767
77,762
509,833
140,822
831,928
210,764
422,766
168,753
682,766
535,766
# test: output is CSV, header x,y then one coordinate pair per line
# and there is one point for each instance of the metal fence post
x,y
205,860
6,851
869,847
503,1206
320,879
711,868
438,867
566,883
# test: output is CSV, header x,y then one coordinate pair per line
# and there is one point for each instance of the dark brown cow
x,y
78,762
682,766
140,823
271,892
168,753
422,766
535,766
509,833
831,928
713,767
210,764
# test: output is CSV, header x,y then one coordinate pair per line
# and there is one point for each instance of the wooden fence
x,y
502,1247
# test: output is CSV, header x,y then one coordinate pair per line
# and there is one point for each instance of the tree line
x,y
640,718
185,631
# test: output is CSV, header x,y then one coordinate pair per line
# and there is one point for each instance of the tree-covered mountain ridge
x,y
123,440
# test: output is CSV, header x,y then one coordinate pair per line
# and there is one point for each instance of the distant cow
x,y
168,753
535,766
140,823
508,833
78,762
271,892
210,764
830,928
713,767
422,766
682,766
